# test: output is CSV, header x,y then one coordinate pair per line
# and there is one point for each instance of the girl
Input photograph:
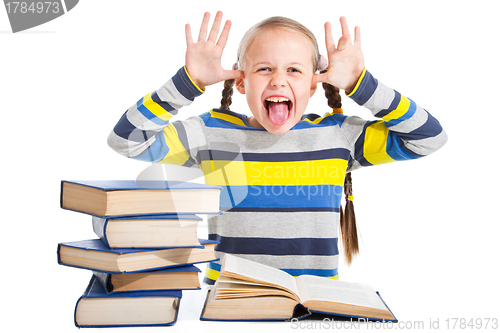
x,y
283,170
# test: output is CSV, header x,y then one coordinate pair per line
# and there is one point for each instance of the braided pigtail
x,y
348,227
227,93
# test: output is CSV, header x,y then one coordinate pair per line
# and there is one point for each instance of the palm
x,y
345,61
203,58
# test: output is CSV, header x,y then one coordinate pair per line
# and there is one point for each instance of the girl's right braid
x,y
227,93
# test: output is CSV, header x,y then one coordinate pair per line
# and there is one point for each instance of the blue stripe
x,y
149,115
127,131
341,153
156,152
317,272
326,197
166,106
429,129
395,148
359,149
208,281
281,210
365,89
277,246
408,114
331,120
214,266
183,84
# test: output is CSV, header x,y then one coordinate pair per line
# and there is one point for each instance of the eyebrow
x,y
268,63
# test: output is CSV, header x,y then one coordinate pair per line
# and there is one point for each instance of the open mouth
x,y
278,109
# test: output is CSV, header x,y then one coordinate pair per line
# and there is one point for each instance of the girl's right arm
x,y
145,132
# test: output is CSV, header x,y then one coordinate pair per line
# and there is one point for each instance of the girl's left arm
x,y
405,131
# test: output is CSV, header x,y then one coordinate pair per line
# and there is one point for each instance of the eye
x,y
294,70
264,69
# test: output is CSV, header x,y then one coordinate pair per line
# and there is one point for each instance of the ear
x,y
314,86
240,85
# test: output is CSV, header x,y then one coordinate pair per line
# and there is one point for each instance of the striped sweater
x,y
281,193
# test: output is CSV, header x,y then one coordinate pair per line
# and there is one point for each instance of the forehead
x,y
282,43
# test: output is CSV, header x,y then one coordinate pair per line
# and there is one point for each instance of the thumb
x,y
317,78
233,74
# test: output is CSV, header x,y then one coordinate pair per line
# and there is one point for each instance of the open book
x,y
247,290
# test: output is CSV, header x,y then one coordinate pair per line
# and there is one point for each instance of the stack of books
x,y
146,250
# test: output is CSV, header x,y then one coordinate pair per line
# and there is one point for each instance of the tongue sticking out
x,y
278,112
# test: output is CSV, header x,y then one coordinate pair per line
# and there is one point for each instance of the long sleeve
x,y
145,132
406,131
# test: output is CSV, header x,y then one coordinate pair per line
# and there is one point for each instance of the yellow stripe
x,y
358,83
374,149
336,277
177,154
155,109
212,274
201,90
316,121
228,118
403,106
324,172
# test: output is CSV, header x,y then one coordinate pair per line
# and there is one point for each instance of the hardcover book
x,y
93,254
247,290
150,231
96,308
182,277
125,197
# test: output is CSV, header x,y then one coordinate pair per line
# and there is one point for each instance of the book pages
x,y
322,289
259,272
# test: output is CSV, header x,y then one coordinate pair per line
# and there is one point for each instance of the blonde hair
x,y
275,22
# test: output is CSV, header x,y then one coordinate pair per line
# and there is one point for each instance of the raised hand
x,y
203,58
345,61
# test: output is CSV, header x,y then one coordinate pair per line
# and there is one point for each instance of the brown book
x,y
247,290
125,197
175,278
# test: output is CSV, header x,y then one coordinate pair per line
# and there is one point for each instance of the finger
x,y
330,43
357,36
204,27
317,78
344,26
224,34
214,32
233,74
189,36
344,42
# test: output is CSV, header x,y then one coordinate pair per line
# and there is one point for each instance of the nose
x,y
278,80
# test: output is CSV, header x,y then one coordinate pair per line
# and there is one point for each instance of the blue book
x,y
148,231
126,197
93,254
175,278
96,308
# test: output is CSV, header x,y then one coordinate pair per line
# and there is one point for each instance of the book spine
x,y
99,224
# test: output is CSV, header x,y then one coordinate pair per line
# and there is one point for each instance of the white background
x,y
429,227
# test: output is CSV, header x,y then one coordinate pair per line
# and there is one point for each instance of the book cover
x,y
106,198
96,308
93,254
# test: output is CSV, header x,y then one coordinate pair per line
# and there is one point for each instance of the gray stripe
x,y
291,262
417,120
427,145
275,225
169,93
381,99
